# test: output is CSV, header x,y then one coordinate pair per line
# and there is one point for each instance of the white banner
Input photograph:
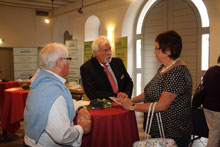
x,y
74,71
25,62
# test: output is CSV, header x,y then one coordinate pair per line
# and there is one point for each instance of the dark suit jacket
x,y
96,83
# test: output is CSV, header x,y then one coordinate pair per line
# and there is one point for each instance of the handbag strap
x,y
160,125
150,119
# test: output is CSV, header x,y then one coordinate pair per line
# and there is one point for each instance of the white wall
x,y
20,27
109,12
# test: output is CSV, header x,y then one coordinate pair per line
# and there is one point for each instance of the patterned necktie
x,y
111,79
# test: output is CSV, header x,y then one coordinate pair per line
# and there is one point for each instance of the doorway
x,y
6,64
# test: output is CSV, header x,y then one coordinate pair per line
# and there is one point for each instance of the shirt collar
x,y
103,64
56,75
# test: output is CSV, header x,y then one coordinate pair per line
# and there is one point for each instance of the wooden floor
x,y
18,138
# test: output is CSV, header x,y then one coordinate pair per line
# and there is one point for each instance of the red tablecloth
x,y
13,109
5,85
112,127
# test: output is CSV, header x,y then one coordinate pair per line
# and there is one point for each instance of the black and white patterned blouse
x,y
177,120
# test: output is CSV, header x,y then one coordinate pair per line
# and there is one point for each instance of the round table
x,y
13,109
5,85
112,127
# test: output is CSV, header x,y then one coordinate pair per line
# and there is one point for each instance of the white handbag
x,y
154,142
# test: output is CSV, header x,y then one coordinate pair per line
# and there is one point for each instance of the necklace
x,y
165,68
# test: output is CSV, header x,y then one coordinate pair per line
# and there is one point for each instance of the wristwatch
x,y
132,107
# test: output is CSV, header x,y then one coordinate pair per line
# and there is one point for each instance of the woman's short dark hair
x,y
170,40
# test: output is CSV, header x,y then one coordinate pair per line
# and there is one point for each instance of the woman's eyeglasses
x,y
68,58
157,48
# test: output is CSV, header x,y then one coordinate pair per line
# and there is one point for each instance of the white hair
x,y
99,41
51,53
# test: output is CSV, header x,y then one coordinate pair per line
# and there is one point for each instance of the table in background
x,y
112,127
76,93
6,85
13,109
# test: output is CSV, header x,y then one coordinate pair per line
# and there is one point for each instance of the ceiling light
x,y
47,20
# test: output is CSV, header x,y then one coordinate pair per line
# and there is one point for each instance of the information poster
x,y
74,71
25,62
87,50
121,49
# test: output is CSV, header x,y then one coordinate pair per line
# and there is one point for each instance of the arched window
x,y
205,33
92,28
187,17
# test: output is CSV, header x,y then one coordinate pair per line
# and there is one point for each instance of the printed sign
x,y
25,62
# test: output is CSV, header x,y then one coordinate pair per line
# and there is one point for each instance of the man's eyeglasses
x,y
157,48
68,58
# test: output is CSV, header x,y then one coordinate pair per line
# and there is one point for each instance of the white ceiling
x,y
37,4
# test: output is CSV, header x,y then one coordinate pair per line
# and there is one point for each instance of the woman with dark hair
x,y
171,88
211,103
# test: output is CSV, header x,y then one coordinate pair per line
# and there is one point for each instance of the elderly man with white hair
x,y
104,76
49,111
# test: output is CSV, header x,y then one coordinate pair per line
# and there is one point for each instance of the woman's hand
x,y
120,99
126,103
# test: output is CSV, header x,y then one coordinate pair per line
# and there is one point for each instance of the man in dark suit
x,y
94,75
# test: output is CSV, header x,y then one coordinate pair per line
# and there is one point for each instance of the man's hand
x,y
122,95
83,114
84,120
86,125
